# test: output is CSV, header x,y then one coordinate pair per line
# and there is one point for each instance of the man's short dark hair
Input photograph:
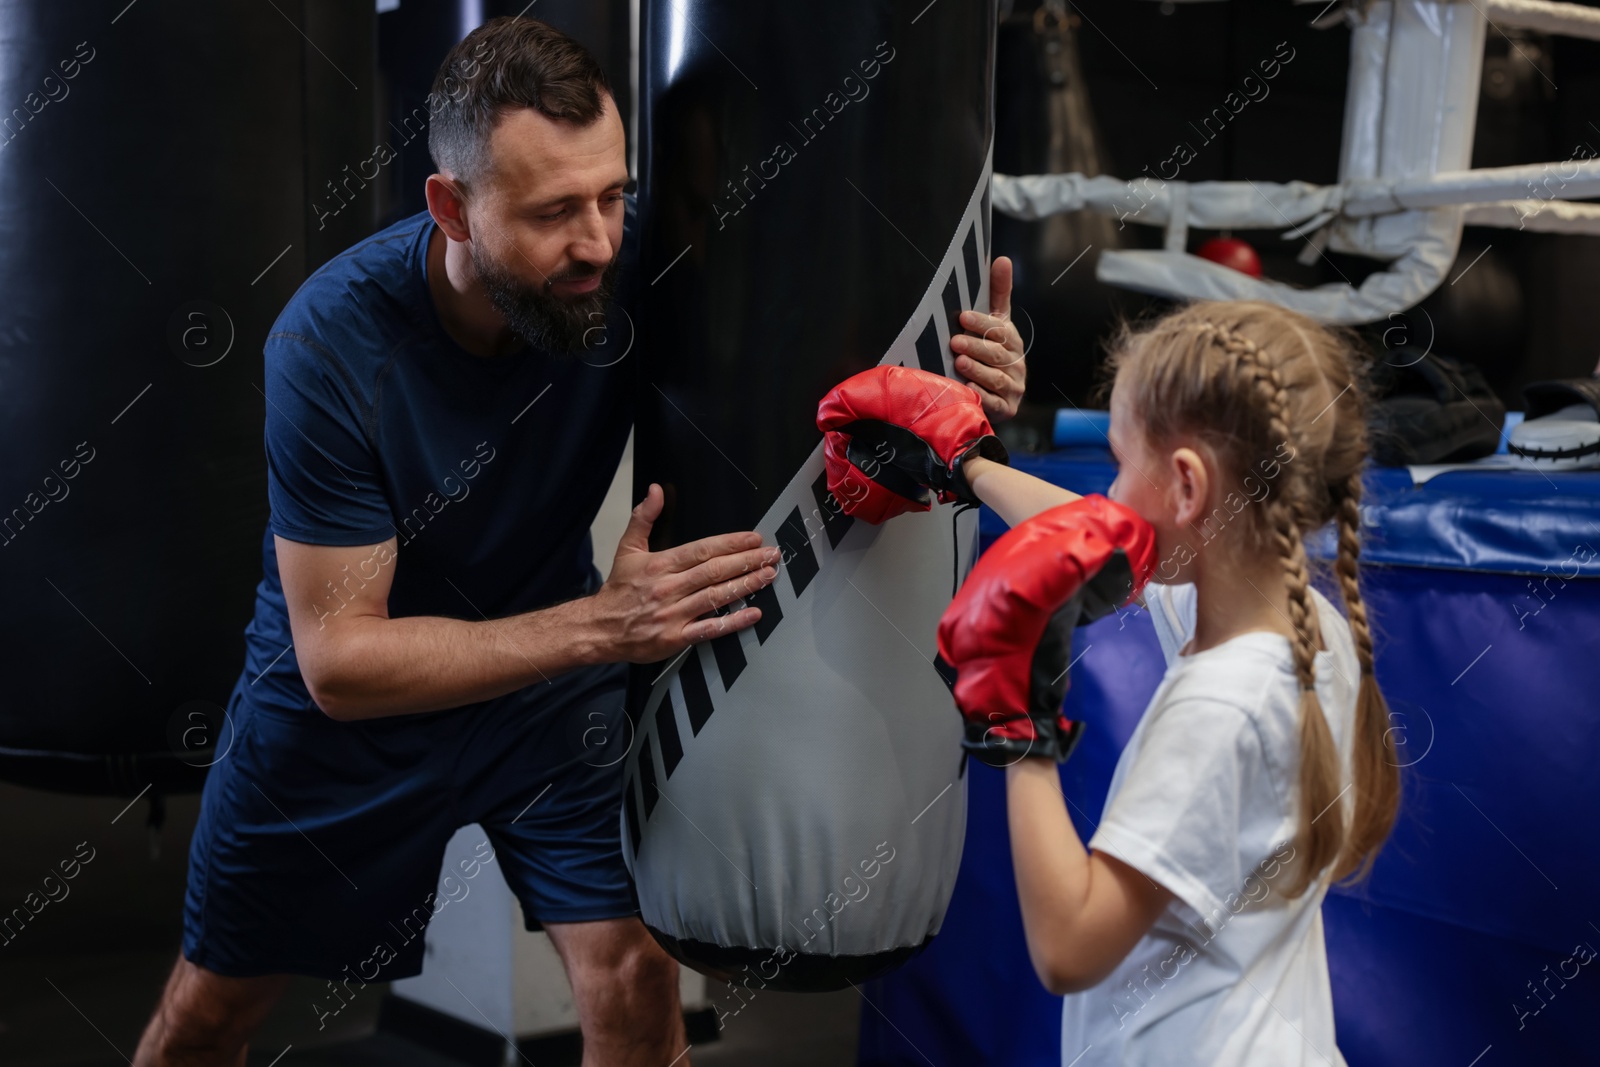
x,y
507,63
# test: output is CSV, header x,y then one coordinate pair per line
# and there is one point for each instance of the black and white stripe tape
x,y
805,510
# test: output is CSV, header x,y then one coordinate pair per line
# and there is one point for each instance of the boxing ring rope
x,y
1401,197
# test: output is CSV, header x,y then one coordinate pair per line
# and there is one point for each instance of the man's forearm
x,y
381,667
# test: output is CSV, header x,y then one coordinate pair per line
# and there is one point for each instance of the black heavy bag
x,y
815,199
173,171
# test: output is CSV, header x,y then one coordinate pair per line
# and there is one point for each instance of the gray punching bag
x,y
815,202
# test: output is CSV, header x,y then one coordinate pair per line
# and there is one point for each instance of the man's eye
x,y
551,218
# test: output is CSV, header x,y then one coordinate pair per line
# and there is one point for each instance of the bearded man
x,y
432,645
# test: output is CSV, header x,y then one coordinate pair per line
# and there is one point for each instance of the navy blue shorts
x,y
319,840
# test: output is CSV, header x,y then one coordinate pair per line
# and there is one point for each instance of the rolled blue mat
x,y
1075,426
1513,419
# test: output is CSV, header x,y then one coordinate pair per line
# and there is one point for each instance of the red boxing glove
x,y
1008,633
894,433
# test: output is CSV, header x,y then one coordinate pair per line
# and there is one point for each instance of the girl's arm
x,y
1013,495
1082,912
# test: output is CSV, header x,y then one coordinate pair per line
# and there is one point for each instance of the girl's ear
x,y
1190,486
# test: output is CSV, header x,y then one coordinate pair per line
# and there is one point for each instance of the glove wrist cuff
x,y
957,487
1054,739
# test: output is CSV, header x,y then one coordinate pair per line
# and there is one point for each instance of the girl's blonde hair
x,y
1248,379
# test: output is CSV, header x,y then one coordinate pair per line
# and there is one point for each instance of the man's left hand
x,y
989,354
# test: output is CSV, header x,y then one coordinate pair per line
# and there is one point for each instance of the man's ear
x,y
447,205
1190,487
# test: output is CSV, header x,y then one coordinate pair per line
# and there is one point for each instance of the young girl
x,y
1189,931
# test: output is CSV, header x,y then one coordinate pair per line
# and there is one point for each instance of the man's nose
x,y
592,243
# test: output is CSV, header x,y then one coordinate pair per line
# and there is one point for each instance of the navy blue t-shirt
x,y
486,471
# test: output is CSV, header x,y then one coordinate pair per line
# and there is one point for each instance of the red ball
x,y
1232,252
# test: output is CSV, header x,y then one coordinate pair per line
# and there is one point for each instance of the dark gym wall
x,y
1541,103
1152,69
1152,76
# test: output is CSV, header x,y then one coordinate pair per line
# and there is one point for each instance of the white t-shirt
x,y
1233,973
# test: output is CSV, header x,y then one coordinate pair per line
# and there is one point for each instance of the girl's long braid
x,y
1322,829
1374,765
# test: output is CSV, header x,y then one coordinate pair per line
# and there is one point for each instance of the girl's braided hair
x,y
1269,390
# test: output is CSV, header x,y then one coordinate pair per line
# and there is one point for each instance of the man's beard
x,y
540,317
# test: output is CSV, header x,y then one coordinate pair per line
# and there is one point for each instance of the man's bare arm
x,y
359,663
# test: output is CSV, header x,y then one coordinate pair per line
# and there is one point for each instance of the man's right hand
x,y
358,663
653,604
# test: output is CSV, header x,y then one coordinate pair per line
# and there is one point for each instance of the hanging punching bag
x,y
815,202
166,196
